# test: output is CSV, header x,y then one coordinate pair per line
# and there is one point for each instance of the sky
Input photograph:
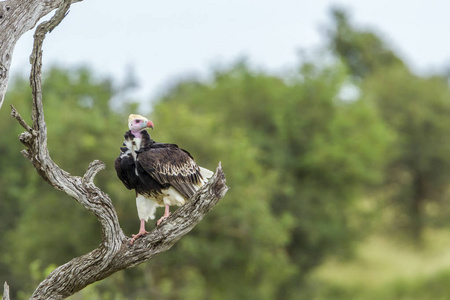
x,y
163,41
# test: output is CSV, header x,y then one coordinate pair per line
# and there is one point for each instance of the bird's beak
x,y
150,124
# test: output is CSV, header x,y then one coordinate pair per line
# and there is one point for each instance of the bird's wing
x,y
168,164
125,167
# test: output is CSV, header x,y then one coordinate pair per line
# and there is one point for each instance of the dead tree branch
x,y
114,253
16,18
5,291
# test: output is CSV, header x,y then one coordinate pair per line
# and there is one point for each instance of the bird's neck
x,y
143,136
137,134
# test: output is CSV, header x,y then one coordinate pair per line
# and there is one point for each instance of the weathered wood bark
x,y
5,292
115,252
16,18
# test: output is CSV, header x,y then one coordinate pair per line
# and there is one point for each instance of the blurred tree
x,y
297,158
363,51
245,239
315,153
83,128
13,170
415,108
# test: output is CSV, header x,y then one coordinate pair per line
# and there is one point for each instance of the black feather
x,y
157,167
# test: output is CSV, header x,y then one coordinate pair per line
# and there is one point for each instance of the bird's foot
x,y
165,216
136,236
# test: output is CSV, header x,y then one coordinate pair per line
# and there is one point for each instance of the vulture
x,y
161,174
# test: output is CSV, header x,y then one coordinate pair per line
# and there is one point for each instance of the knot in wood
x,y
95,199
3,71
3,10
25,137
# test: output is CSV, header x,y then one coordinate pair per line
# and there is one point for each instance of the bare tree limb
x,y
5,291
111,257
15,114
115,252
16,18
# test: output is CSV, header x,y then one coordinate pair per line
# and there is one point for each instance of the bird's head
x,y
137,123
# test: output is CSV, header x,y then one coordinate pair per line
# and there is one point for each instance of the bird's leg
x,y
141,232
166,214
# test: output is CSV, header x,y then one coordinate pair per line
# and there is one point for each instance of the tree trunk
x,y
418,199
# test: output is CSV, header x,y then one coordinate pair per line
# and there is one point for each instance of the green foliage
x,y
387,269
363,50
47,227
416,109
293,156
309,156
306,168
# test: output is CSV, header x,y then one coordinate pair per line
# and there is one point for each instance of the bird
x,y
162,174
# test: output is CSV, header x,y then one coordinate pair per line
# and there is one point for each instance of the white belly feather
x,y
173,197
146,206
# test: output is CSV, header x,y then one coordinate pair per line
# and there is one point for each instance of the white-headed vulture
x,y
161,174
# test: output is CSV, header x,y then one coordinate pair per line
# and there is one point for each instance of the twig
x,y
15,114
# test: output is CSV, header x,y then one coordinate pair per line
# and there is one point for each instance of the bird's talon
x,y
162,219
136,236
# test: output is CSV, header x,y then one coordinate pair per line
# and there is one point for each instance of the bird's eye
x,y
138,121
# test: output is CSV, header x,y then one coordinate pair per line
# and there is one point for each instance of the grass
x,y
385,268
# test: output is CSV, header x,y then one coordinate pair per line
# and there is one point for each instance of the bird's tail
x,y
206,174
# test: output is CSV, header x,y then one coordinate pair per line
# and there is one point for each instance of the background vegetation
x,y
339,174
